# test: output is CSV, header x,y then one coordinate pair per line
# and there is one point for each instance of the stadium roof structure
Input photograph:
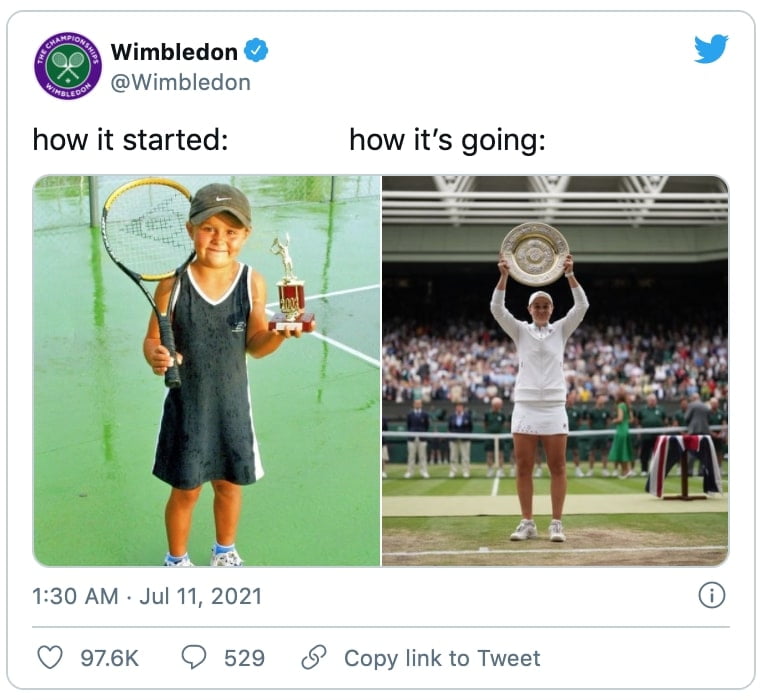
x,y
655,218
631,200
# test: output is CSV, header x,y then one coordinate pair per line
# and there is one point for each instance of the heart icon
x,y
49,656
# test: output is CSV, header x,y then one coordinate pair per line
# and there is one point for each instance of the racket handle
x,y
171,378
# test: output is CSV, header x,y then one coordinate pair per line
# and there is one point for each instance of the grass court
x,y
608,521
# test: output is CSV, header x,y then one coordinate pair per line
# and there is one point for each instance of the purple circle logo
x,y
67,66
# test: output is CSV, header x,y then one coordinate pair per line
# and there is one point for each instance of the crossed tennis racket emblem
x,y
69,63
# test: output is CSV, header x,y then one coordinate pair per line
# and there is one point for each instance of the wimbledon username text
x,y
183,82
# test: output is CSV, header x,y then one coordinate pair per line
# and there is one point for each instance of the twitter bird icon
x,y
711,51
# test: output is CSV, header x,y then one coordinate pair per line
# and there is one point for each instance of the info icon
x,y
67,66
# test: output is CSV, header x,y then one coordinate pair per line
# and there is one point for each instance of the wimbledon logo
x,y
67,66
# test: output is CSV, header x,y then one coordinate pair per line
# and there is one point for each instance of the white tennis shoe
x,y
231,558
185,561
526,530
556,533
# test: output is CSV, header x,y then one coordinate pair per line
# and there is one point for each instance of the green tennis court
x,y
609,522
315,401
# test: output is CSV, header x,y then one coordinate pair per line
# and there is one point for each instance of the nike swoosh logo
x,y
223,199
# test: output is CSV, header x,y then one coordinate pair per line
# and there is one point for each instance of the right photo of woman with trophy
x,y
535,253
531,303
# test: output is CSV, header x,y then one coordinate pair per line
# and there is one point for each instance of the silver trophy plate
x,y
535,252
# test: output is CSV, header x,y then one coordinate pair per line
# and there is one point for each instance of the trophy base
x,y
304,322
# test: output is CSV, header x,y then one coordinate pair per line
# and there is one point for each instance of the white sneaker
x,y
226,559
538,473
500,473
556,533
185,561
579,472
526,530
605,472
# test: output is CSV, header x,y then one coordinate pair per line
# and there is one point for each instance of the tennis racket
x,y
143,229
68,64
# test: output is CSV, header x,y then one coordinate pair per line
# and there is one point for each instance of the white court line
x,y
334,294
591,550
341,346
371,360
495,487
344,291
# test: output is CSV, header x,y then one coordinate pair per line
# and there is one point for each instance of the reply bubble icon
x,y
194,654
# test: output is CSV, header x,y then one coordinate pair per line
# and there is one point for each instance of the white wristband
x,y
569,274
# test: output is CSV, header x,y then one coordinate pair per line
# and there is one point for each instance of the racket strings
x,y
68,63
155,242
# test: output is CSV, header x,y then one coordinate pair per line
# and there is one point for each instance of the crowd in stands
x,y
474,361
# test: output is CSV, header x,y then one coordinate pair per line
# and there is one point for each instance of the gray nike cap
x,y
216,198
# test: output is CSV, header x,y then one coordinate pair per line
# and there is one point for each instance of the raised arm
x,y
580,301
504,318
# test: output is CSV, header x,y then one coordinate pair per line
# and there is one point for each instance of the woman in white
x,y
540,391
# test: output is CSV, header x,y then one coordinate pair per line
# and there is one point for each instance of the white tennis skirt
x,y
540,418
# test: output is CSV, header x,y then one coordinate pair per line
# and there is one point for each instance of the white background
x,y
613,92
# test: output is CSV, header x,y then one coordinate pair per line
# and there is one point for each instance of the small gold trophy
x,y
292,315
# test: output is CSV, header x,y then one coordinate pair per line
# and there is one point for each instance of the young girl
x,y
206,428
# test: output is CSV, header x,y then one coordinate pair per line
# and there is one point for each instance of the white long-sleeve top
x,y
540,350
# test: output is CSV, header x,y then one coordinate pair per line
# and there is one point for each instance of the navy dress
x,y
207,426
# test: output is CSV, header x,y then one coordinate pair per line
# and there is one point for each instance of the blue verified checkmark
x,y
256,50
